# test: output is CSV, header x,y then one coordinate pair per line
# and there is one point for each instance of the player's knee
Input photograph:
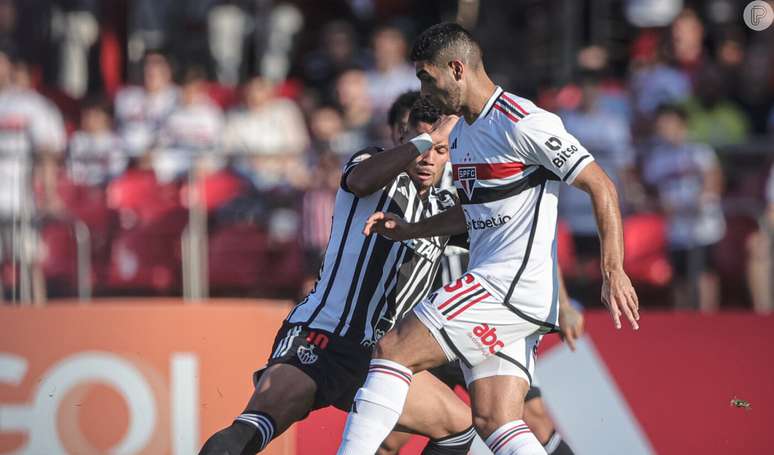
x,y
538,420
487,422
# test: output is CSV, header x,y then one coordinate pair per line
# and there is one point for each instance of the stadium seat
x,y
645,244
238,260
147,259
140,199
218,189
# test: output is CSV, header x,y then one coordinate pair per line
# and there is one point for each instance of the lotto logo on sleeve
x,y
487,336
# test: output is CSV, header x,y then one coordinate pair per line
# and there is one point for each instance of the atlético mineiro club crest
x,y
466,175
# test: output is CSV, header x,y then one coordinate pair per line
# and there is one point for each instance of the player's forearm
x,y
376,172
450,222
608,215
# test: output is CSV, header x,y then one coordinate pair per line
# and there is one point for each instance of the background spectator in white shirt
x,y
688,183
269,134
95,153
141,111
192,130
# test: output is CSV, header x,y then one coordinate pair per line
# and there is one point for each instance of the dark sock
x,y
454,444
248,435
557,446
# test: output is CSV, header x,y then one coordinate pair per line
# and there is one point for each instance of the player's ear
x,y
457,68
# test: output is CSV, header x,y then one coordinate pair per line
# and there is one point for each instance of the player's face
x,y
440,85
427,169
399,129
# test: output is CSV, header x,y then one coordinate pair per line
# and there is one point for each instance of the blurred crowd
x,y
121,119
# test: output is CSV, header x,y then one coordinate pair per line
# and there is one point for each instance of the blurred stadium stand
x,y
292,90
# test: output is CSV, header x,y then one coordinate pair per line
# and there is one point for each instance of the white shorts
x,y
472,325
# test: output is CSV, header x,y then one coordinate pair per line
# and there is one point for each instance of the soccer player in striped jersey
x,y
509,157
322,352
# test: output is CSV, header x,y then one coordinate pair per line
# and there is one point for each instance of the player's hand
x,y
389,225
571,325
442,128
619,297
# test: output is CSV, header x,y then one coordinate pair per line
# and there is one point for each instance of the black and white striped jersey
x,y
367,283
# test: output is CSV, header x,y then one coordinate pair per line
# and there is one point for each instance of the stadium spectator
x,y
32,137
31,132
268,135
95,154
607,137
712,117
317,213
687,41
391,74
326,125
688,183
653,81
141,111
192,130
338,52
759,256
356,107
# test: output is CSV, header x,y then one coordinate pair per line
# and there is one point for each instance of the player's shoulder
x,y
364,154
518,114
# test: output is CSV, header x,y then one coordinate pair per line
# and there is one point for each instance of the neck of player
x,y
479,90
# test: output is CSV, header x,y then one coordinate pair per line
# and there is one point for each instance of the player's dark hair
x,y
671,109
423,111
401,105
449,40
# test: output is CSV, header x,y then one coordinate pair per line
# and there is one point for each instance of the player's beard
x,y
452,101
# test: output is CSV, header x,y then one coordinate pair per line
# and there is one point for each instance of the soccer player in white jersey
x,y
322,351
509,158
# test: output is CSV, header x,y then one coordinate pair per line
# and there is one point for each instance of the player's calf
x,y
499,420
282,396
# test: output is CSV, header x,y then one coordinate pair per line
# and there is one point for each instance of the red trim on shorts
x,y
457,295
468,305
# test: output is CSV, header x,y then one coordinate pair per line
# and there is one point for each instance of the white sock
x,y
377,407
514,438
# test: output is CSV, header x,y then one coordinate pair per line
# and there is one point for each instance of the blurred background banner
x,y
157,378
137,377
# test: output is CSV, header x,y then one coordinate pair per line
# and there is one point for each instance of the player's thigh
x,y
497,400
432,409
285,393
393,443
411,344
537,419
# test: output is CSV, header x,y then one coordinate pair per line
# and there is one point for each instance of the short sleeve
x,y
541,139
353,161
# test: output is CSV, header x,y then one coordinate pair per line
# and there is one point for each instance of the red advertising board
x,y
156,377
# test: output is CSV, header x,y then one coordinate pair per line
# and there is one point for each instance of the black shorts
x,y
337,365
697,259
451,375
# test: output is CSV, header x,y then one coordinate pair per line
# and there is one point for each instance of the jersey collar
x,y
488,106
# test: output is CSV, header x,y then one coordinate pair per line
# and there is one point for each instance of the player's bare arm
x,y
450,222
618,294
377,171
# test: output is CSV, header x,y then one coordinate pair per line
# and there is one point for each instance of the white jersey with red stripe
x,y
507,167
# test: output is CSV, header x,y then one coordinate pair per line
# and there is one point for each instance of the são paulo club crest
x,y
467,178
